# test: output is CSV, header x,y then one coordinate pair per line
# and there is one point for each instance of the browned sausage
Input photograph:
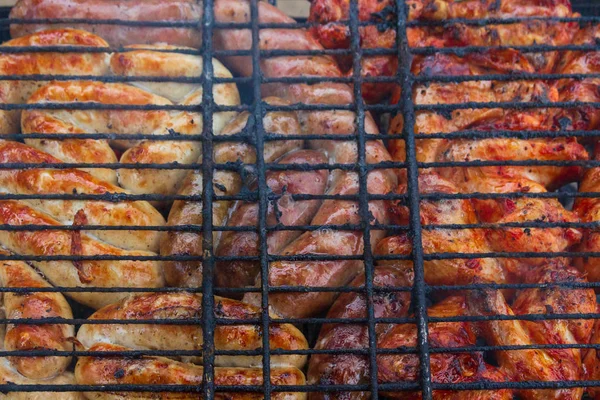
x,y
164,371
45,63
68,181
96,273
116,35
379,181
181,306
187,273
34,305
286,212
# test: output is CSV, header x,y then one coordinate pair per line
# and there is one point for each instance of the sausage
x,y
116,35
181,306
156,122
45,63
96,273
240,370
34,305
164,371
286,212
7,374
379,181
344,368
189,274
90,121
69,181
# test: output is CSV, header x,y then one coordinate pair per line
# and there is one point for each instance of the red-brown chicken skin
x,y
333,30
490,120
446,368
550,365
588,209
335,35
438,212
584,90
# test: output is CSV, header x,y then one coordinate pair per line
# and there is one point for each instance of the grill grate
x,y
422,293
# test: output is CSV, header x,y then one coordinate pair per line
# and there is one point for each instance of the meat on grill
x,y
336,122
333,32
230,370
189,273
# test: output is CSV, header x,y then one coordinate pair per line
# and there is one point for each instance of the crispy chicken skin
x,y
539,364
439,212
490,120
454,368
333,32
588,209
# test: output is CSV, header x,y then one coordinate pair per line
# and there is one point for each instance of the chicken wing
x,y
550,365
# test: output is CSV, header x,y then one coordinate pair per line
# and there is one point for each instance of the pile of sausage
x,y
113,215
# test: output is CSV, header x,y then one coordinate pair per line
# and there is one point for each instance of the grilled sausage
x,y
188,273
354,368
164,371
240,370
68,181
45,63
7,374
155,122
379,181
94,273
34,305
285,211
116,35
182,306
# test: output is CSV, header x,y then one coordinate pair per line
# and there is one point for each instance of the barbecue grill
x,y
421,293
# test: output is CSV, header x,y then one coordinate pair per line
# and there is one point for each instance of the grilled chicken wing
x,y
490,148
333,32
437,240
588,209
549,365
450,368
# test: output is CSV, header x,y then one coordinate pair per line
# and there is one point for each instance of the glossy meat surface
x,y
332,31
284,211
189,273
539,364
230,370
332,212
116,35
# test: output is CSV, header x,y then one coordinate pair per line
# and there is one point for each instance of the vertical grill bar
x,y
263,192
363,192
208,263
408,113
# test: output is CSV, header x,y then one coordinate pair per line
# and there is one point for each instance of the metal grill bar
x,y
263,191
407,108
363,205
